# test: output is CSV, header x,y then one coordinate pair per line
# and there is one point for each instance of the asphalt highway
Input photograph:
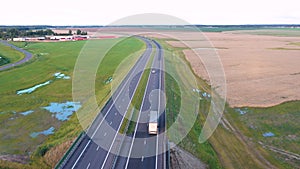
x,y
147,151
103,146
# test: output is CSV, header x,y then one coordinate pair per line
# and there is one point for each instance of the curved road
x,y
27,57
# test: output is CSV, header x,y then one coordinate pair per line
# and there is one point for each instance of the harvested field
x,y
261,71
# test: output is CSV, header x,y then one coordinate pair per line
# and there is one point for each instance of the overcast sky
x,y
101,12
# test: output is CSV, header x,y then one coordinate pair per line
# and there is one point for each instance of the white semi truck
x,y
153,125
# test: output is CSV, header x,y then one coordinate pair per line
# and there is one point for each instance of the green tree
x,y
78,32
49,32
70,32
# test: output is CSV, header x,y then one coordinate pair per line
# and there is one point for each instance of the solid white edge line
x,y
106,157
107,112
159,87
81,154
127,161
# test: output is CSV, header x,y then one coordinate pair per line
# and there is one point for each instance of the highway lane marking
x,y
97,148
104,134
159,87
115,114
81,154
110,123
118,95
142,158
119,126
134,134
145,141
111,106
88,166
113,141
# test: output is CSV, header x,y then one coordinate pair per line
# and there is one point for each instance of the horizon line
x,y
92,25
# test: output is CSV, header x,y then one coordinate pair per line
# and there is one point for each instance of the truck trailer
x,y
153,125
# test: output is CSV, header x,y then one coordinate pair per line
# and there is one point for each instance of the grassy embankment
x,y
9,55
228,149
49,58
282,121
173,63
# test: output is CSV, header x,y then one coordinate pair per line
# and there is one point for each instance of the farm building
x,y
19,39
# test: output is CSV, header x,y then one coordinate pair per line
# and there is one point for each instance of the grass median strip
x,y
129,123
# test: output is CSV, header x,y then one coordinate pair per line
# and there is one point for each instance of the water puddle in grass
x,y
57,75
60,75
25,113
204,94
197,90
62,111
44,54
32,89
109,80
45,132
242,111
269,134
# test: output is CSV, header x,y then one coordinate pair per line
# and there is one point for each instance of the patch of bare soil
x,y
15,158
181,159
56,153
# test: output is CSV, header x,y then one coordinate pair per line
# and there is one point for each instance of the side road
x,y
27,57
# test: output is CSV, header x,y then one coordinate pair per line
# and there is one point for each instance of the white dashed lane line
x,y
88,166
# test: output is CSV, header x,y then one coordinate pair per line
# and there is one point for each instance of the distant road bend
x,y
89,155
27,57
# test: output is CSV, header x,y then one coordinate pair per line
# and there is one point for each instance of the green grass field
x,y
50,58
9,55
281,120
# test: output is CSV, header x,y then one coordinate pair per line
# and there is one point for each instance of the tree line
x,y
10,33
